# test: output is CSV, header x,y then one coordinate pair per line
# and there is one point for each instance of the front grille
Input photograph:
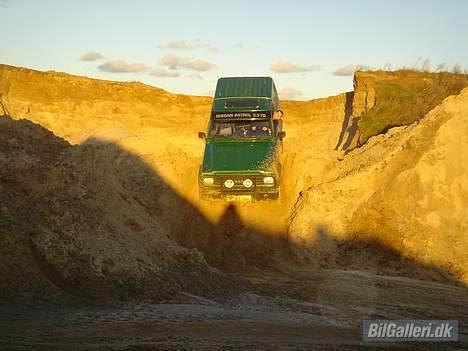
x,y
238,182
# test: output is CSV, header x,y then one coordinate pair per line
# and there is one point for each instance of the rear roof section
x,y
244,87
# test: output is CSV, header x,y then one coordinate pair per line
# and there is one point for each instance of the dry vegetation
x,y
406,98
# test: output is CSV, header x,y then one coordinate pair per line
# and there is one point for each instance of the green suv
x,y
243,142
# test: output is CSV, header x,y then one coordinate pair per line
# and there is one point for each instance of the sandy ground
x,y
293,310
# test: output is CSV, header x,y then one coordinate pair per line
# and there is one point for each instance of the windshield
x,y
240,129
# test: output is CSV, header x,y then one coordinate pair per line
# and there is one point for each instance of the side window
x,y
212,128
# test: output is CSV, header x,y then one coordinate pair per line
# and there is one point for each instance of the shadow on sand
x,y
101,170
98,189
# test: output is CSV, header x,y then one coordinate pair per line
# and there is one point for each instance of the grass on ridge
x,y
407,97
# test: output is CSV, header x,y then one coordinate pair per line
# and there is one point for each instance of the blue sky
x,y
310,48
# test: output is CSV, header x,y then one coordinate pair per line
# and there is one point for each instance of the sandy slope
x,y
391,189
407,190
107,211
161,130
85,221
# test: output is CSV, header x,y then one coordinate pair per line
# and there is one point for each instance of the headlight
x,y
247,183
208,181
229,183
268,180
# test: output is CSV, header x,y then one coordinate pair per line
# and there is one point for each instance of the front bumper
x,y
258,191
211,194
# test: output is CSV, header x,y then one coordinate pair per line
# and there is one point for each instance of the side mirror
x,y
282,135
202,135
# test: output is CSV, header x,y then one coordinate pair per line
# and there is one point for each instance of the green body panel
x,y
264,104
239,156
244,87
259,88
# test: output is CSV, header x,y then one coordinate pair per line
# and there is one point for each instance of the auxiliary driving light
x,y
229,183
247,183
208,181
268,180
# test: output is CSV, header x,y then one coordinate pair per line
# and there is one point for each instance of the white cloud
x,y
345,70
159,72
195,76
213,49
288,67
91,56
186,45
288,93
120,66
350,69
178,45
174,62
